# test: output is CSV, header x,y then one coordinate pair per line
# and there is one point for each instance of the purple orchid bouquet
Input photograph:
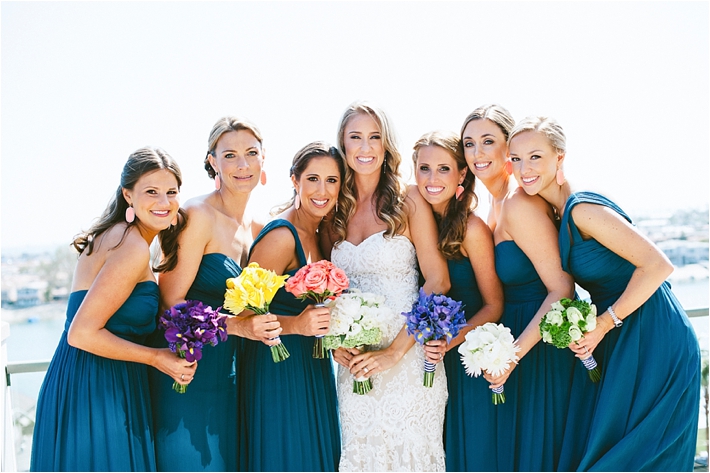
x,y
434,317
189,326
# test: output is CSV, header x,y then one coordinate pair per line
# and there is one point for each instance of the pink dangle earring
x,y
459,192
560,177
217,182
262,178
297,201
508,167
130,214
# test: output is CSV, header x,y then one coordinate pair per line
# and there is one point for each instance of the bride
x,y
374,234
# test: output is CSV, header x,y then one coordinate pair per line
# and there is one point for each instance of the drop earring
x,y
336,206
262,179
217,182
459,191
509,167
297,201
130,214
560,177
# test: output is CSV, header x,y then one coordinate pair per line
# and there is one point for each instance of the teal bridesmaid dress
x,y
93,413
288,413
196,431
471,422
538,390
644,414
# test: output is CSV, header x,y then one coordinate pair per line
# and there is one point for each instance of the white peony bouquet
x,y
567,322
491,348
355,322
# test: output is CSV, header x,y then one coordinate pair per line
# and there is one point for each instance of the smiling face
x,y
437,176
535,161
238,159
318,186
154,198
364,150
485,148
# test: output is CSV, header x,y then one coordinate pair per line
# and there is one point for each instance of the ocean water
x,y
38,340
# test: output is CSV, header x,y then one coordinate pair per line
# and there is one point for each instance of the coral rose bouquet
x,y
355,322
254,289
567,322
189,326
491,348
434,317
319,281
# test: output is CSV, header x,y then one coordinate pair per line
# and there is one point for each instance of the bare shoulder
x,y
199,210
413,196
278,241
520,203
133,253
476,228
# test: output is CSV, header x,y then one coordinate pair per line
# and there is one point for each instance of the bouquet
x,y
319,281
354,323
567,322
189,326
254,289
491,348
434,317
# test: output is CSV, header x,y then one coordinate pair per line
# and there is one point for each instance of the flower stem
x,y
593,370
429,372
362,387
279,352
179,388
498,396
319,351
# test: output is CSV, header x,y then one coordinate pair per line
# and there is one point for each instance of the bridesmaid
x,y
288,410
444,180
644,414
531,422
196,431
92,413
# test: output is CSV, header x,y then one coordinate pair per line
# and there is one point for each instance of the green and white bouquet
x,y
355,322
567,322
491,348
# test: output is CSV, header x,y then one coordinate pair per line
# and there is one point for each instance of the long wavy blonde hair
x,y
390,192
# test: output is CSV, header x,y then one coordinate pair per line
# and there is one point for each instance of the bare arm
x,y
478,244
124,267
528,221
424,235
652,267
277,251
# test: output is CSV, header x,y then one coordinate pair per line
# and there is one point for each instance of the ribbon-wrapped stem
x,y
362,385
592,368
429,372
499,395
279,351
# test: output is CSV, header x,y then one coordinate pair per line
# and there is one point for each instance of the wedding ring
x,y
441,356
365,370
585,349
182,377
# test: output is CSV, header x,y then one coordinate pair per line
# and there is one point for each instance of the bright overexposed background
x,y
86,83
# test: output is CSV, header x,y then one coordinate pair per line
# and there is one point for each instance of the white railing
x,y
7,460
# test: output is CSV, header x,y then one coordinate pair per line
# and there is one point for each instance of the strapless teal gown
x,y
288,412
196,431
471,424
93,413
644,414
538,390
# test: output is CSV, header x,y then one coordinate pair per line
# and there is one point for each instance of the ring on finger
x,y
365,369
182,377
441,356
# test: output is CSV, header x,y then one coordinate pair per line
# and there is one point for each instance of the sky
x,y
84,84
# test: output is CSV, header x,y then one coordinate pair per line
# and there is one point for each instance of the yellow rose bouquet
x,y
254,289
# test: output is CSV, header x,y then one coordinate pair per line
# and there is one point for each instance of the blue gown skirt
x,y
538,390
93,413
643,415
197,430
288,412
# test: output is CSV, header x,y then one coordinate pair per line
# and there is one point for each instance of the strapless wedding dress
x,y
398,425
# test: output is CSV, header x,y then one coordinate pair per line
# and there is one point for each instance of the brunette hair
x,y
141,162
452,225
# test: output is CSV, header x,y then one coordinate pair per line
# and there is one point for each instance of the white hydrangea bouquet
x,y
491,348
567,322
355,323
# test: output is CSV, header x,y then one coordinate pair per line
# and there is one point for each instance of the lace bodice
x,y
398,426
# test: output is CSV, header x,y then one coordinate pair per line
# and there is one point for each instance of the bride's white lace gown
x,y
398,425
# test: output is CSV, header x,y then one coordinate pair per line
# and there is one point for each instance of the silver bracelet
x,y
617,321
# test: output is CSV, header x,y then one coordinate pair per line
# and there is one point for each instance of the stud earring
x,y
263,178
297,202
560,177
217,182
459,191
509,167
130,214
